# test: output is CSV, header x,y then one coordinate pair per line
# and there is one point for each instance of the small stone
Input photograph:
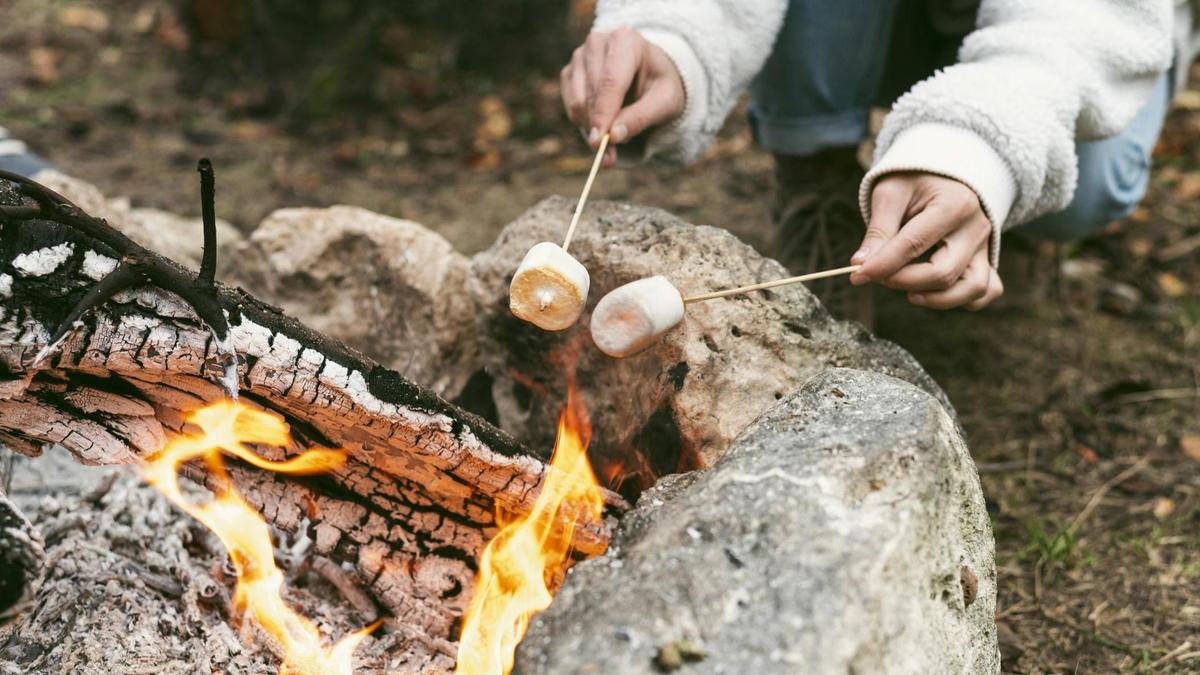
x,y
672,655
970,585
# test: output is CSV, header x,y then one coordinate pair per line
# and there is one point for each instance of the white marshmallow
x,y
549,288
631,317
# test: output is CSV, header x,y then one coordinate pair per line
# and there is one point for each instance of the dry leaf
x,y
144,20
497,123
1190,446
1140,215
87,18
1164,507
1088,454
250,131
1171,285
1140,248
172,33
43,63
1188,99
487,159
574,164
1188,187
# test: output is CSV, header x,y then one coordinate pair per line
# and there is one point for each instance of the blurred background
x,y
447,113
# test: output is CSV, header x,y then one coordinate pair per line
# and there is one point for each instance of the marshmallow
x,y
631,317
549,288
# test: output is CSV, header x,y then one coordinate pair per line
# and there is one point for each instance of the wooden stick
x,y
587,187
772,284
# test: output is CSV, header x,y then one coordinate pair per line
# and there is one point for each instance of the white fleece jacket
x,y
1035,76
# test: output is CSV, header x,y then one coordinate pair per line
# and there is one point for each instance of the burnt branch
x,y
410,510
208,208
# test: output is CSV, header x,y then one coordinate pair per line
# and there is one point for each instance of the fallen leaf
x,y
88,18
1088,454
574,164
487,159
1163,508
497,123
1188,99
1171,285
172,33
1140,247
1188,187
43,62
251,131
1190,446
1140,215
144,19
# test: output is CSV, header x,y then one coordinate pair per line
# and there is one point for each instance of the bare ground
x,y
1081,399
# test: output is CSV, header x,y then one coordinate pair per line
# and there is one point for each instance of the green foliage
x,y
1060,548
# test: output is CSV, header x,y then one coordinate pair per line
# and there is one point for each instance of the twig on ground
x,y
1179,249
1156,395
1171,654
1103,490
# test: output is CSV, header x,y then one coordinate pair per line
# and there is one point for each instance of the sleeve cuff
x,y
953,152
695,91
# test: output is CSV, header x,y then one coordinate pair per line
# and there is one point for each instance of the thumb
x,y
659,104
889,202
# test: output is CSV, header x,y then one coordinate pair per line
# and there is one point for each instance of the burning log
x,y
105,345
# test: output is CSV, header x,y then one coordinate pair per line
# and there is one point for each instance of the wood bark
x,y
410,510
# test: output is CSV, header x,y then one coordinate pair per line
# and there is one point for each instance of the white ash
x,y
97,266
5,286
44,260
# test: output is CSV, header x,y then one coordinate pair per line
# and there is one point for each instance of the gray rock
x,y
679,404
844,532
390,288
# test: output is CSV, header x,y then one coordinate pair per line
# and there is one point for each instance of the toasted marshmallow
x,y
633,316
549,288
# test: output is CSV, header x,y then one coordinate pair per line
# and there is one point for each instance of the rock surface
x,y
390,288
680,403
844,531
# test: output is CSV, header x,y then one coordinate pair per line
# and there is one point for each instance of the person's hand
x,y
610,69
915,213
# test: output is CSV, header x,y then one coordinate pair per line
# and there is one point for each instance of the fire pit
x,y
400,526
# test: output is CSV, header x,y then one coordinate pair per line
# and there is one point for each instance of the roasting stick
x,y
772,284
631,317
550,287
587,187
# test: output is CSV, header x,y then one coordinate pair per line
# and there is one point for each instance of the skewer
x,y
550,287
587,187
631,317
772,284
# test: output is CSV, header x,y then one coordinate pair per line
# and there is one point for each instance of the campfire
x,y
232,427
521,563
516,571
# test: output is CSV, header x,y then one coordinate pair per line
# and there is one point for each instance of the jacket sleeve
x,y
717,45
1034,77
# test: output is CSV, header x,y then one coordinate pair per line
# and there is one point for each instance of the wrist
x,y
952,152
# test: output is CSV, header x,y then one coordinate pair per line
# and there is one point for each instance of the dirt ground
x,y
1080,400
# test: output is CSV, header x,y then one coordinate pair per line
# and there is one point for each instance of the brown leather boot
x,y
818,226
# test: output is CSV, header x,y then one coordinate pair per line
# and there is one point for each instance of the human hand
x,y
611,68
911,214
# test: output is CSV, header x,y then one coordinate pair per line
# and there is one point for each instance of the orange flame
x,y
230,426
519,564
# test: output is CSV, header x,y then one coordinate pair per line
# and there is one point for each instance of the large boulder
x,y
844,532
679,404
390,288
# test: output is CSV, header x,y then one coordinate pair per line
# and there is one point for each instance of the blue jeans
x,y
834,61
16,157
